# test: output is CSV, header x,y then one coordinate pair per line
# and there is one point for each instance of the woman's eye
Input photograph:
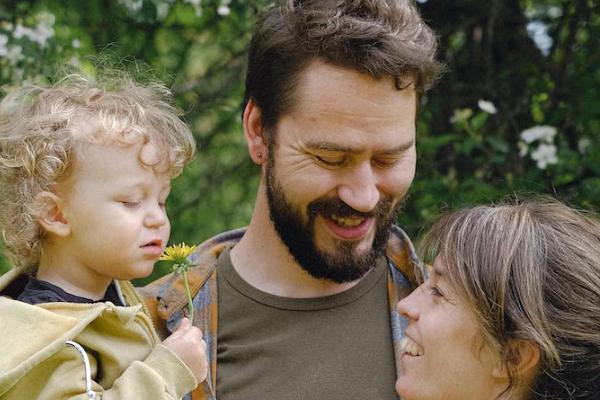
x,y
436,292
130,204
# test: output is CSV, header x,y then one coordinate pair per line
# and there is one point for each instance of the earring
x,y
259,154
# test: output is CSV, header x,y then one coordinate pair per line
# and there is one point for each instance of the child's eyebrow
x,y
142,186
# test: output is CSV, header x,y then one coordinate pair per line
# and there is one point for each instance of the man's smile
x,y
348,221
349,228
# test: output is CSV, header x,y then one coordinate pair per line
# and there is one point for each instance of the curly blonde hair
x,y
40,125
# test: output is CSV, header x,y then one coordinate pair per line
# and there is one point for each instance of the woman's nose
x,y
409,306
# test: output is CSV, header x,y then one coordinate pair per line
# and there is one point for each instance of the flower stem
x,y
189,296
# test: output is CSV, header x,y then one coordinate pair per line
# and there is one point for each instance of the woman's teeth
x,y
410,347
347,221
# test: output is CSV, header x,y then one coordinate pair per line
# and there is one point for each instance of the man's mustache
x,y
330,206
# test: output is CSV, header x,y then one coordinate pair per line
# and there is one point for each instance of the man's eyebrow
x,y
342,148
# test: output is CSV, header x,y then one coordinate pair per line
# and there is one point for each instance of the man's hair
x,y
530,271
39,127
381,38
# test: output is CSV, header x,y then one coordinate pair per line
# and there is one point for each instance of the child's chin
x,y
139,273
145,273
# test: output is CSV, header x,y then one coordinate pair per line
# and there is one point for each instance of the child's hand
x,y
187,343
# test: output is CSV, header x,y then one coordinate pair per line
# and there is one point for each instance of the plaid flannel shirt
x,y
166,300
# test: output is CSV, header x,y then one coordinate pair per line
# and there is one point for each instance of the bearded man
x,y
301,303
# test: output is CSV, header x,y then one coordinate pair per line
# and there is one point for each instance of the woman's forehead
x,y
439,267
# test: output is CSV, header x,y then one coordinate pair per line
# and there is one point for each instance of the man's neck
x,y
264,261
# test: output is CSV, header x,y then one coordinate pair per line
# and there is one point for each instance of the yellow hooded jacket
x,y
126,359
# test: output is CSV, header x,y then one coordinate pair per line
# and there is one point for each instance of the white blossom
x,y
46,17
543,133
487,106
162,10
42,33
132,6
21,31
76,43
544,155
554,12
14,54
3,42
538,32
583,144
223,10
197,4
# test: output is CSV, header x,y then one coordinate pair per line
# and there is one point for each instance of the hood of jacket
x,y
33,333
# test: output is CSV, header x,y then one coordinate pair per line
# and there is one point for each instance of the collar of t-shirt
x,y
37,291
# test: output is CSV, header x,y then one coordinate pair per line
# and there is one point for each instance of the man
x,y
306,294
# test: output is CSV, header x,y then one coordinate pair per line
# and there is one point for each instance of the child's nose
x,y
156,217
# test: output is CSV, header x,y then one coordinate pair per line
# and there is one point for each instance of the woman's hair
x,y
39,127
530,271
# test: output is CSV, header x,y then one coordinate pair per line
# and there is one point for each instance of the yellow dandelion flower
x,y
177,253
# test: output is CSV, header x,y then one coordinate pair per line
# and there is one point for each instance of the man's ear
x,y
254,133
50,214
521,356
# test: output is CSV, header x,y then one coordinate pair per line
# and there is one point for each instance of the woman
x,y
510,309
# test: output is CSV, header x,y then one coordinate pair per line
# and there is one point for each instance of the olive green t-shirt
x,y
326,348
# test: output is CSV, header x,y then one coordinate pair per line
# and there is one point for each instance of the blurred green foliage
x,y
534,63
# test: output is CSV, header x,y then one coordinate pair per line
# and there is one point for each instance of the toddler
x,y
85,171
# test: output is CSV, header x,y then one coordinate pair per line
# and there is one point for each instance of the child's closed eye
x,y
129,203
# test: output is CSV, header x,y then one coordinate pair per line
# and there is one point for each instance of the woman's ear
x,y
50,214
521,356
254,133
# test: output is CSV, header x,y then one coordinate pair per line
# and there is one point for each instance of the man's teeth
x,y
347,221
410,347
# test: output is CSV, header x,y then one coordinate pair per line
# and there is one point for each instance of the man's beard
x,y
342,264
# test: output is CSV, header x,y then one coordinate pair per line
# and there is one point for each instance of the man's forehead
x,y
322,78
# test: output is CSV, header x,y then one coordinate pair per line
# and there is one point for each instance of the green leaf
x,y
537,113
433,143
479,120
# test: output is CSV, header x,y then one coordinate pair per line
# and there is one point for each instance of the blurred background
x,y
517,112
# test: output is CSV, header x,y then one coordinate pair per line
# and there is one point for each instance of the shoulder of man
x,y
402,256
167,295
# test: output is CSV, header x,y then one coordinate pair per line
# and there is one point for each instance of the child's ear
x,y
254,133
50,214
521,356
